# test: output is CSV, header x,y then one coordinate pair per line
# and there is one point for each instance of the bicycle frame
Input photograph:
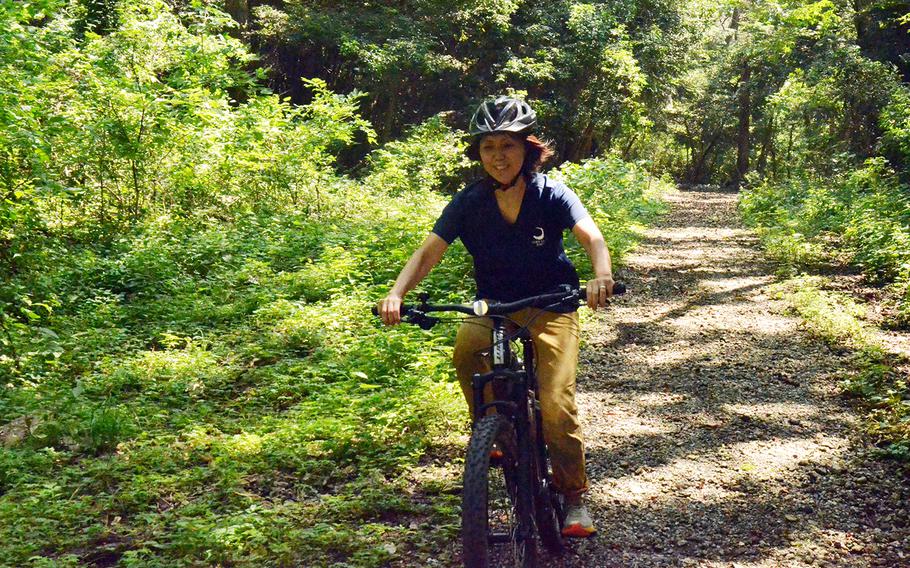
x,y
518,417
523,403
503,369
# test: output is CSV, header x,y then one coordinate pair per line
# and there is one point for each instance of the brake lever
x,y
427,322
422,320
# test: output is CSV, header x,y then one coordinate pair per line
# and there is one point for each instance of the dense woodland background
x,y
201,199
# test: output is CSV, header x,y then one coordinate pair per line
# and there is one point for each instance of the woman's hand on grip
x,y
600,289
389,309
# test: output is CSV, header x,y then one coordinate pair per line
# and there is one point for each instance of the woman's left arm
x,y
590,237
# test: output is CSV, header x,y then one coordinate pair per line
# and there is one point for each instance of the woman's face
x,y
502,156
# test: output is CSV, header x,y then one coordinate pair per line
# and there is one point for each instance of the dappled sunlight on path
x,y
716,436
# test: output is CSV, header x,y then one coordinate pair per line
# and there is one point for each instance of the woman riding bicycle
x,y
512,223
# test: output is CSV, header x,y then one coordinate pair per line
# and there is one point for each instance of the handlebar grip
x,y
619,288
404,310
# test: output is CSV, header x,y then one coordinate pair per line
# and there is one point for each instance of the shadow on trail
x,y
715,433
696,300
707,400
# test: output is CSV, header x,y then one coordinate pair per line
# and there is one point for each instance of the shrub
x,y
620,196
862,217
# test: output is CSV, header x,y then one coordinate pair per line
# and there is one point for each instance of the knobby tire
x,y
487,488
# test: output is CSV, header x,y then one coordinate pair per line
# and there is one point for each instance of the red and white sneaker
x,y
578,522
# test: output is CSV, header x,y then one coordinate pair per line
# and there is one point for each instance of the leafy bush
x,y
895,122
621,197
185,335
431,156
862,217
789,218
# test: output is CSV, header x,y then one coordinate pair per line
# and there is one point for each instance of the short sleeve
x,y
569,208
448,225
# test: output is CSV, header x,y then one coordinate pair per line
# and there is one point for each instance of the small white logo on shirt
x,y
539,237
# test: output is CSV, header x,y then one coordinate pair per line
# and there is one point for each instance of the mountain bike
x,y
508,495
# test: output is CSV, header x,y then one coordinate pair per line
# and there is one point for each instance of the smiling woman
x,y
502,156
512,223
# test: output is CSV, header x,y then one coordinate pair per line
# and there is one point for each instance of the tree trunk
x,y
766,143
391,112
734,25
742,134
628,149
789,159
582,148
239,10
697,173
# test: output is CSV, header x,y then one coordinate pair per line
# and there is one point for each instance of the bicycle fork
x,y
502,372
516,406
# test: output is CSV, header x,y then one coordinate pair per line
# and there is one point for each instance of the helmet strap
x,y
505,186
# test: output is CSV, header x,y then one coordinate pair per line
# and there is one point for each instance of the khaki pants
x,y
556,349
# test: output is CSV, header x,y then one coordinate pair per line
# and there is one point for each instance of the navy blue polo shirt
x,y
526,258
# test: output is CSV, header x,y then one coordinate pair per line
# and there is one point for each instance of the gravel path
x,y
716,436
715,433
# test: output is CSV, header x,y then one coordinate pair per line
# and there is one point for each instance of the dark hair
x,y
536,151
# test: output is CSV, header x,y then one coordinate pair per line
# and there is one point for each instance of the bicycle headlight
x,y
480,308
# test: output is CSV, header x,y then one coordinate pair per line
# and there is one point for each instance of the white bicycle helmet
x,y
504,114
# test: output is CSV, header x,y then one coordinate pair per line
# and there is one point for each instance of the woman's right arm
x,y
418,266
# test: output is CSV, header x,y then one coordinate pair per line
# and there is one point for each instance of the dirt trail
x,y
715,433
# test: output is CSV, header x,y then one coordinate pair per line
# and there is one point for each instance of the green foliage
x,y
418,58
862,217
611,80
895,123
431,156
875,376
877,224
621,197
833,317
222,393
191,375
829,116
796,219
246,373
158,114
789,85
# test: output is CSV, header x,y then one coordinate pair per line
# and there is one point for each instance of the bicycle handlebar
x,y
567,297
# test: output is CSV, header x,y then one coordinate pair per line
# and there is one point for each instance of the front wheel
x,y
497,501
